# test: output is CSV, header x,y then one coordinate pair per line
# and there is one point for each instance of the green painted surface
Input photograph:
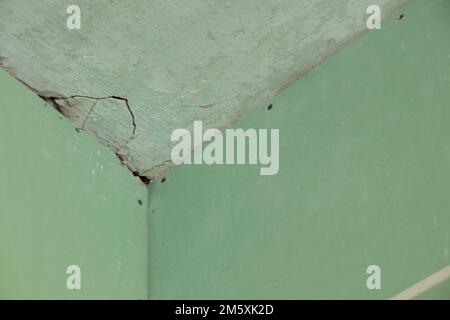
x,y
64,200
364,179
440,292
214,60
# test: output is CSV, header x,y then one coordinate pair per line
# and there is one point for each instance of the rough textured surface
x,y
64,200
160,65
364,179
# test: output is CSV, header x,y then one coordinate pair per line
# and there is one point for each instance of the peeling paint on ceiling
x,y
137,70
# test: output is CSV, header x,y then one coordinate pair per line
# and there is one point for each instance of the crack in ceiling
x,y
212,60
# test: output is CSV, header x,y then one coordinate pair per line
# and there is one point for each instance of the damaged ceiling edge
x,y
81,106
52,100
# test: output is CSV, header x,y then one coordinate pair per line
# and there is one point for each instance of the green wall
x,y
364,179
64,200
440,292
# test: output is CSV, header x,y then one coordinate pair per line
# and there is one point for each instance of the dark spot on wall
x,y
401,17
270,107
140,202
144,179
163,180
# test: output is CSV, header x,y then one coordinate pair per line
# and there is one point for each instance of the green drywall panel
x,y
64,200
364,180
440,292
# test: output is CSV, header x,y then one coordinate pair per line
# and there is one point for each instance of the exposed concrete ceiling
x,y
136,70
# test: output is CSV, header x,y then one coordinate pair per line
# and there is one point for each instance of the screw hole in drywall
x,y
270,107
401,17
163,180
140,202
